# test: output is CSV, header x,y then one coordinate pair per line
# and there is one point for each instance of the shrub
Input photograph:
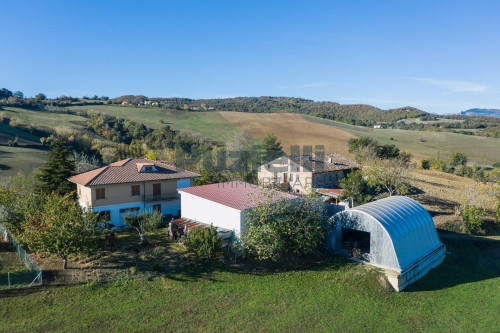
x,y
457,158
426,163
204,242
144,223
473,217
454,225
285,227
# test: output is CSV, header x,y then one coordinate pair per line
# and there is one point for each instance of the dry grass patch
x,y
443,193
292,129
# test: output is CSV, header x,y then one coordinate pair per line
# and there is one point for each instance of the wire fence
x,y
29,275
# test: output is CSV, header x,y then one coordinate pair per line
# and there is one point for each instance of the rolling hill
x,y
482,112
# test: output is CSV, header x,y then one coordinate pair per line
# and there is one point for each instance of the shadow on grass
x,y
469,260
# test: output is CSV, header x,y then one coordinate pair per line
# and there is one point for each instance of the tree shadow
x,y
467,260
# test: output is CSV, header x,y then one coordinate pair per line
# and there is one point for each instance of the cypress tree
x,y
60,166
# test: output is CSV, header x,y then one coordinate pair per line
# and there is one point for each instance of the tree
x,y
210,177
18,199
40,97
458,158
394,175
60,166
276,227
353,187
144,223
61,228
5,93
271,148
18,94
240,156
204,242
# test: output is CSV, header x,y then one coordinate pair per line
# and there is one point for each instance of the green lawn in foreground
x,y
210,125
462,294
482,150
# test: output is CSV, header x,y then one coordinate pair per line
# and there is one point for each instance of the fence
x,y
22,278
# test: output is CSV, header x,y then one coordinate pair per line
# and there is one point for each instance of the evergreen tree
x,y
271,148
54,175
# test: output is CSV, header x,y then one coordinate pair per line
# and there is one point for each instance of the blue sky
x,y
440,56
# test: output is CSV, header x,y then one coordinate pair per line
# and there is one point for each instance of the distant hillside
x,y
482,112
356,114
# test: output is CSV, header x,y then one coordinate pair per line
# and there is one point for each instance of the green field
x,y
209,125
44,118
20,159
6,129
482,150
462,294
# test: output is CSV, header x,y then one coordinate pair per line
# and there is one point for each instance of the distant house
x,y
131,186
302,173
377,126
225,205
125,103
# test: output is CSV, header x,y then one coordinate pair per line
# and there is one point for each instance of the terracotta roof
x,y
331,192
126,171
235,194
326,162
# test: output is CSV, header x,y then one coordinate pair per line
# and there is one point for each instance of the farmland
x,y
209,125
331,295
482,150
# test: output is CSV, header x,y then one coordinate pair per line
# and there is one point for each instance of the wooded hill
x,y
355,114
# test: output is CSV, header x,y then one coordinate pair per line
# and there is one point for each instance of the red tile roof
x,y
332,192
126,171
235,194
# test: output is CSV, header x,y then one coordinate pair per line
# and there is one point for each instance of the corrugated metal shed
x,y
400,232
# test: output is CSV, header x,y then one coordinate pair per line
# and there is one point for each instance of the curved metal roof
x,y
408,224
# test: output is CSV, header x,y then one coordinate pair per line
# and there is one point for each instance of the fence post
x,y
8,277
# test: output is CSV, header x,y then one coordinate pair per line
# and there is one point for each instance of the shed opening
x,y
356,242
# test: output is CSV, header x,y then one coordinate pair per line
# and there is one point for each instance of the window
x,y
291,177
105,216
330,177
100,193
157,208
148,168
136,190
130,210
157,189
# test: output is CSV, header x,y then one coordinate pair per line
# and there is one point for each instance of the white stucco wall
x,y
206,211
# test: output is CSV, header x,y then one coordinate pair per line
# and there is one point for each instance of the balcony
x,y
161,197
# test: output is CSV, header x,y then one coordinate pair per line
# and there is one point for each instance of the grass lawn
x,y
462,294
11,263
482,150
209,125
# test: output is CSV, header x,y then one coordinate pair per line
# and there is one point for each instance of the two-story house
x,y
301,173
131,186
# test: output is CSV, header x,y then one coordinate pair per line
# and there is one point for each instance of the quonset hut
x,y
396,234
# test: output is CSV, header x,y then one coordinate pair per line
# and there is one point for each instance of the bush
x,y
276,228
204,242
473,218
426,163
454,225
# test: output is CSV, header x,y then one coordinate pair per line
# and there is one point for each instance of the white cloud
x,y
452,86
